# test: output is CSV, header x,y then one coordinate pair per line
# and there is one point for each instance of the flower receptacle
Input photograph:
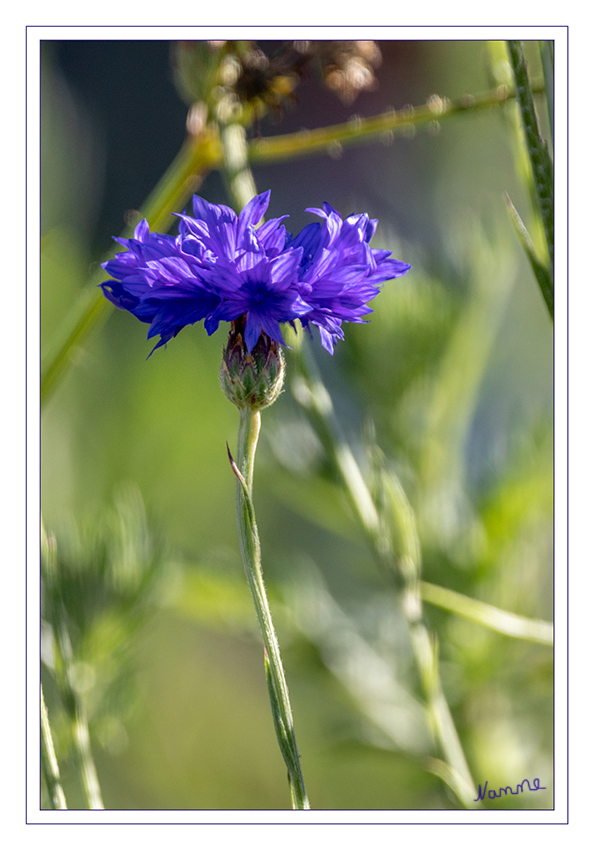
x,y
251,380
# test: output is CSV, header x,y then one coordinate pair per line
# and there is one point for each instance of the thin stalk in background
x,y
249,429
547,58
49,762
178,184
504,622
540,160
398,514
312,396
361,130
541,271
77,715
63,669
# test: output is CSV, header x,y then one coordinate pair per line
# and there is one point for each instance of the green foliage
x,y
100,582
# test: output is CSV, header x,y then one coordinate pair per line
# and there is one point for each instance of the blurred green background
x,y
453,380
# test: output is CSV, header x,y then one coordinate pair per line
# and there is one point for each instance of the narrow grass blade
x,y
523,628
540,160
541,272
49,762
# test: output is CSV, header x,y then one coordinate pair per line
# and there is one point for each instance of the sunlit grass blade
x,y
540,160
451,778
547,58
523,628
541,272
49,762
396,550
408,550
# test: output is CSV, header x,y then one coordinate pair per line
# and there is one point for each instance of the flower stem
x,y
241,188
249,428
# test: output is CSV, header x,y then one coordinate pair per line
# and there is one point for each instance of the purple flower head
x,y
223,267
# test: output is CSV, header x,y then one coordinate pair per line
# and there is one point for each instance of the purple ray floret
x,y
340,273
223,267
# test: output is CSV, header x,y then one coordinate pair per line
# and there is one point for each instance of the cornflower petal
x,y
309,239
192,227
251,215
272,236
253,329
283,269
213,214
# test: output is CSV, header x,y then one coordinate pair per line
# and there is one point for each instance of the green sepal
x,y
252,380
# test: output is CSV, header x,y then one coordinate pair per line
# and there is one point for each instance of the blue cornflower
x,y
222,267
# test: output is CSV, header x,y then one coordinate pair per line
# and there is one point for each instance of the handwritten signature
x,y
482,792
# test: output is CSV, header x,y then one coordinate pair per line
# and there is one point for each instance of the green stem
x,y
249,428
540,160
177,185
237,175
241,188
82,740
542,273
361,130
49,762
523,628
547,58
63,669
77,716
